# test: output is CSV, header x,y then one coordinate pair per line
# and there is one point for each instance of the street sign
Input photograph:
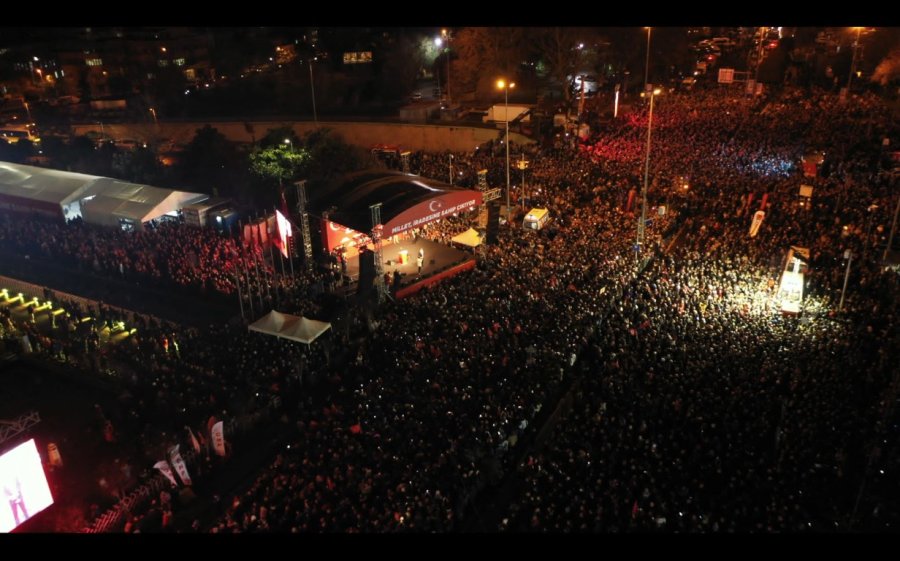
x,y
492,194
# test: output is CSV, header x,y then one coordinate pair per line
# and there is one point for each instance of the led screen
x,y
23,486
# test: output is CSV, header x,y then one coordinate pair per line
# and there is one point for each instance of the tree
x,y
332,157
400,67
211,162
275,165
139,166
564,50
888,70
483,54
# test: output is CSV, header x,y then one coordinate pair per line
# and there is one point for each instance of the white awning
x,y
470,238
287,326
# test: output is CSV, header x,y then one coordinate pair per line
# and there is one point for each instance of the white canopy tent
x,y
470,238
111,200
98,200
44,190
287,326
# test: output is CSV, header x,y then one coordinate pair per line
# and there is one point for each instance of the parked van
x,y
536,219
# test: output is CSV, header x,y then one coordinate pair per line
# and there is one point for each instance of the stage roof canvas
x,y
407,201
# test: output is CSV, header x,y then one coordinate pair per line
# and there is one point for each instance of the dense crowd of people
x,y
696,406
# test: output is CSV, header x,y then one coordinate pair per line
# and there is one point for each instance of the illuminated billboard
x,y
23,486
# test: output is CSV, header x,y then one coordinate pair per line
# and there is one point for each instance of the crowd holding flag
x,y
163,467
218,437
179,465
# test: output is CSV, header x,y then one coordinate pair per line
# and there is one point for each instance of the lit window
x,y
179,62
94,62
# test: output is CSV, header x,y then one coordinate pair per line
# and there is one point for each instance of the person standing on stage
x,y
13,493
420,260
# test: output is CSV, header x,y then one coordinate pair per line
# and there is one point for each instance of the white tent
x,y
99,200
44,190
113,200
295,328
470,237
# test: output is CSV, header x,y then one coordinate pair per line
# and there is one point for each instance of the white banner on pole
x,y
757,222
194,442
163,466
218,437
179,465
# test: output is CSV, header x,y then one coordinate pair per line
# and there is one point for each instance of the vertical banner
x,y
765,199
810,169
179,465
163,467
631,194
284,232
194,443
218,438
757,222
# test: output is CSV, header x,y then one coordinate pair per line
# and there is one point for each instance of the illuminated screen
x,y
23,487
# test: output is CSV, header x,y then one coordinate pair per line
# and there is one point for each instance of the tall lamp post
x,y
647,63
446,35
853,59
643,220
312,88
504,85
438,42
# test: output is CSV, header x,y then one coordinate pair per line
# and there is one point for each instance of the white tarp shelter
x,y
287,326
50,191
502,112
98,200
111,201
470,238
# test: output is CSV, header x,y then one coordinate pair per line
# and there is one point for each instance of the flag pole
x,y
272,256
256,267
245,267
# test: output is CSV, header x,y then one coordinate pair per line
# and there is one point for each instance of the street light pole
x,y
523,180
506,118
643,220
312,88
849,256
853,59
893,230
647,63
505,86
446,35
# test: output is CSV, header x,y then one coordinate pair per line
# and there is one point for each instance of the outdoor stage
x,y
441,261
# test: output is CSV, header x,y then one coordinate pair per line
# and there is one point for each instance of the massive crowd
x,y
696,405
